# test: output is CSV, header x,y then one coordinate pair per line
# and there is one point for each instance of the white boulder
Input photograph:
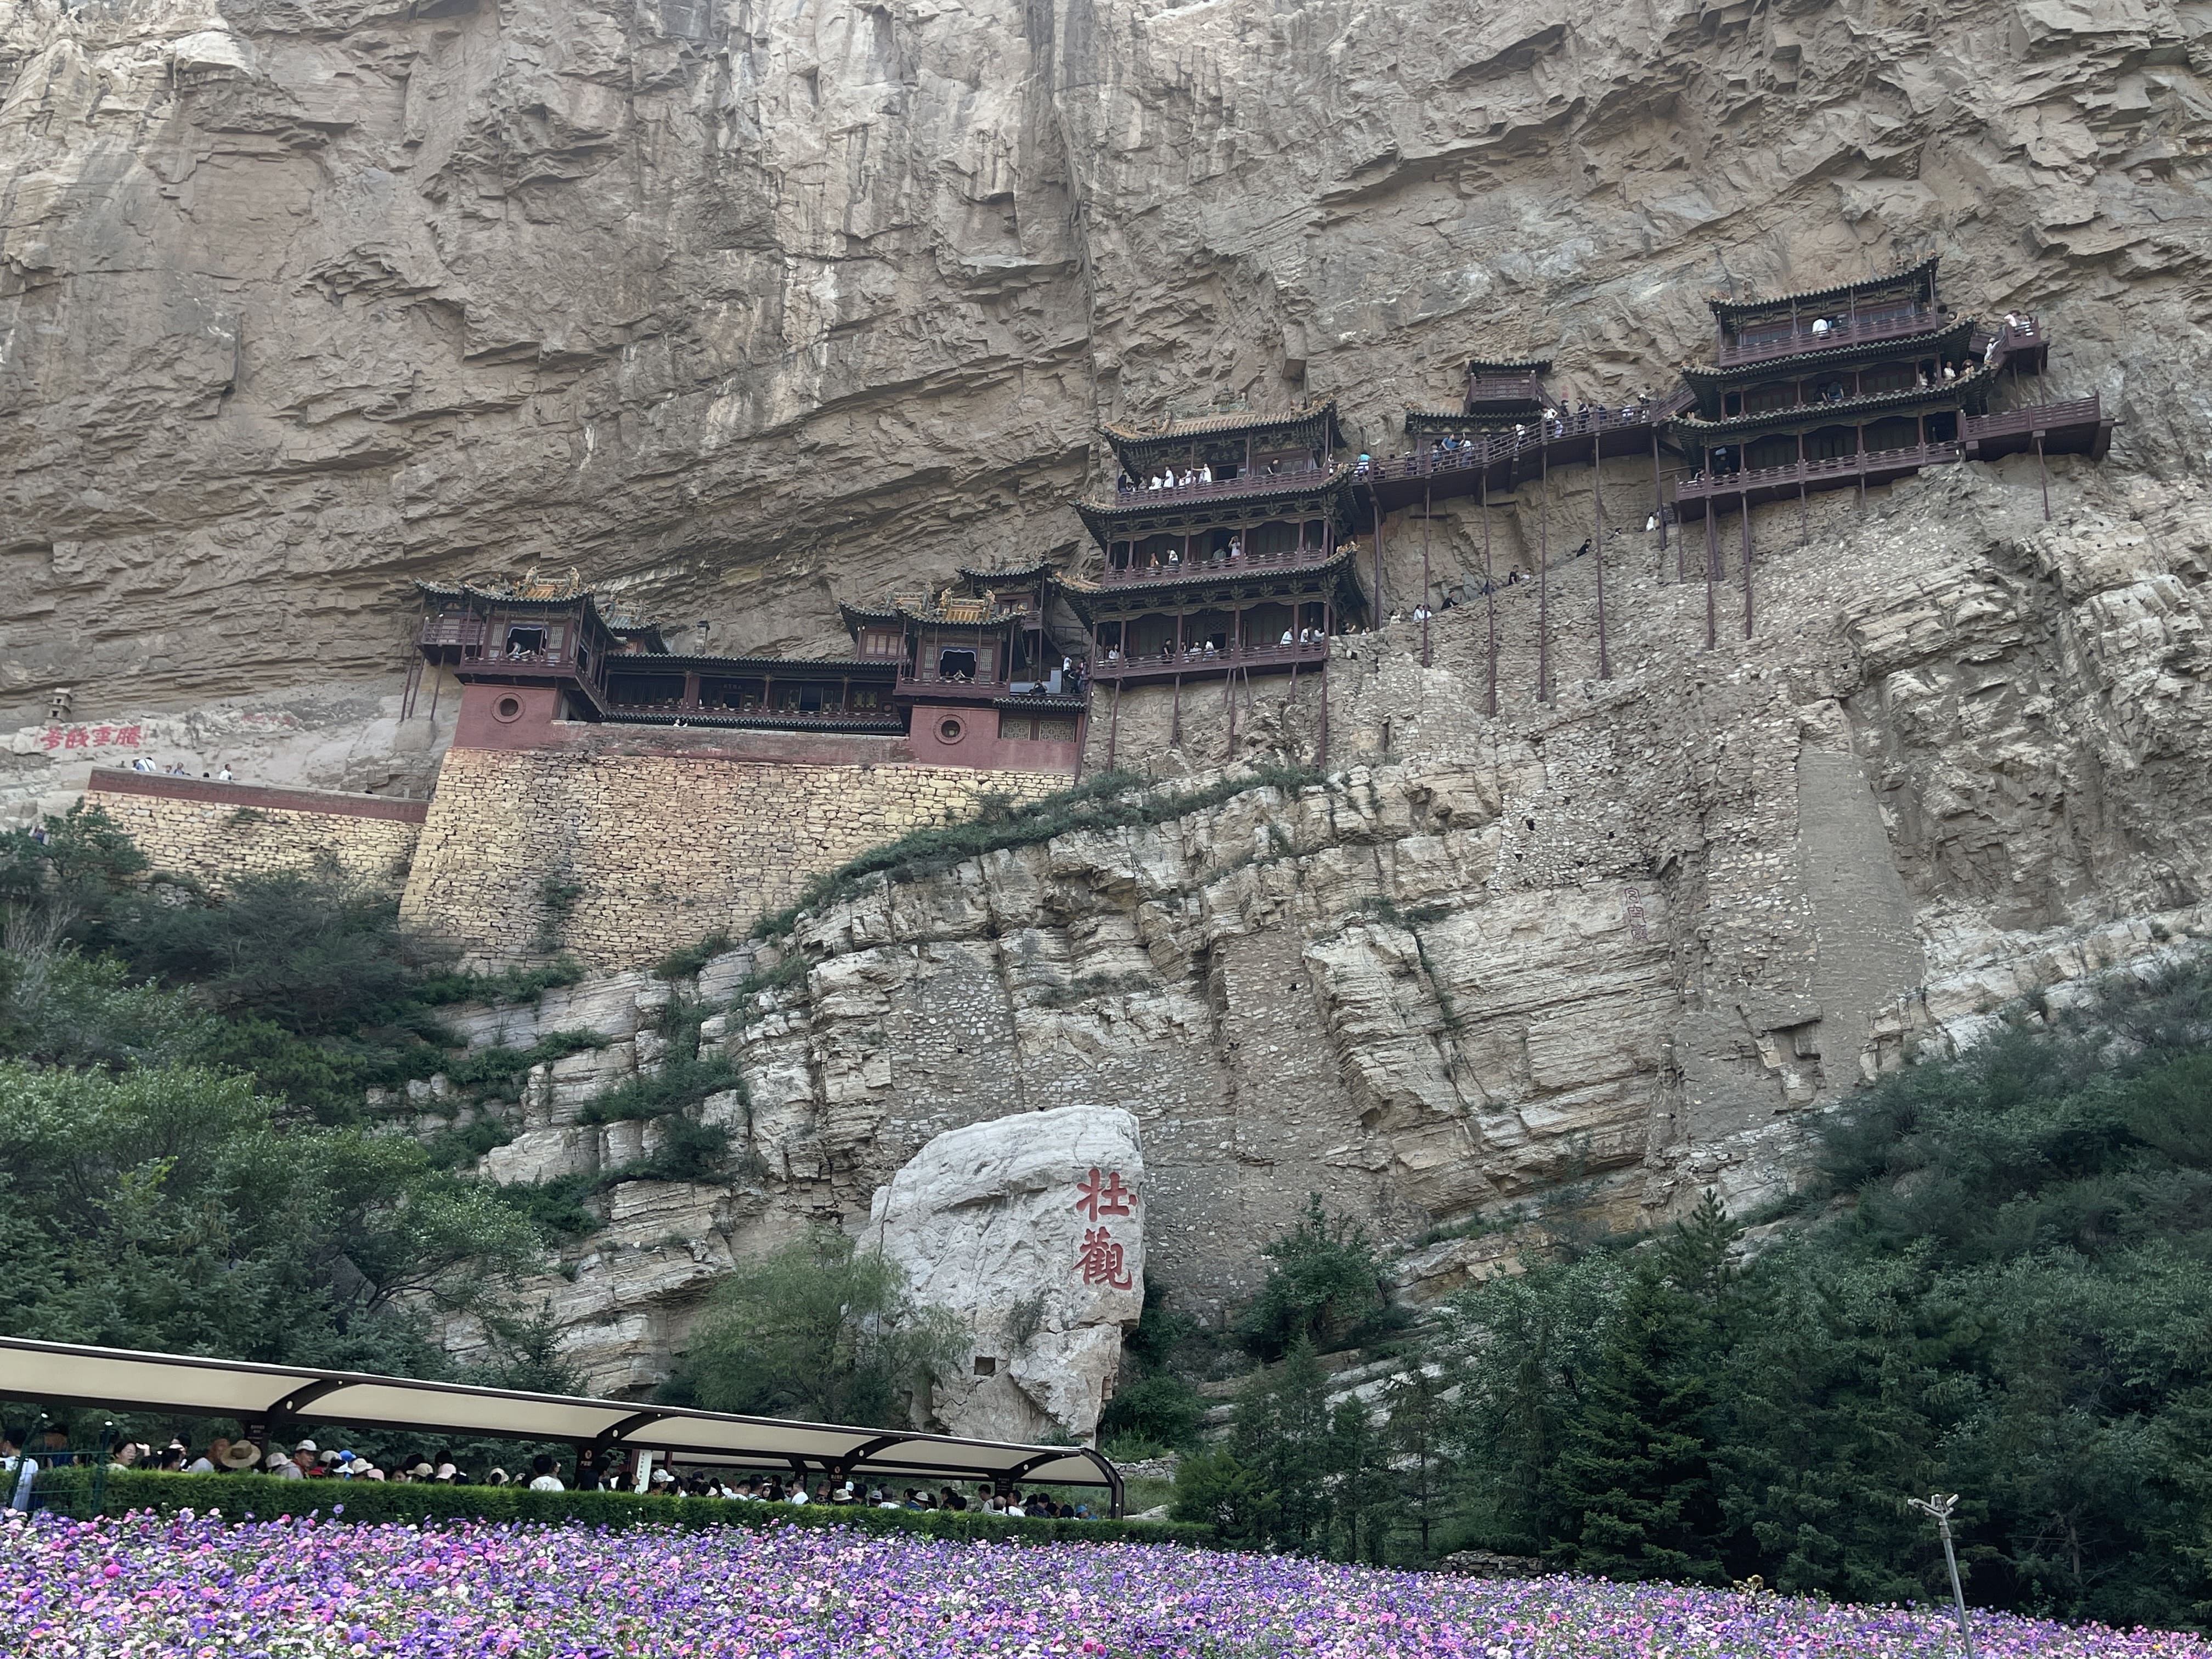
x,y
1030,1229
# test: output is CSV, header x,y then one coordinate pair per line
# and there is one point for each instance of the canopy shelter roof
x,y
1312,423
61,1373
1910,278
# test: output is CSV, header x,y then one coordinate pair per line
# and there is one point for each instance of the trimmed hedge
x,y
69,1491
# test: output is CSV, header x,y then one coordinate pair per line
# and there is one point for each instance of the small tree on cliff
x,y
820,1331
1324,1284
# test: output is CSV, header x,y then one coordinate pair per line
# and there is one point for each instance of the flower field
x,y
209,1589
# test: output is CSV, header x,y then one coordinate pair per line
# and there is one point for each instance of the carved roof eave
x,y
1723,310
1509,365
1969,389
1082,594
1955,332
1097,515
855,615
933,618
1039,703
1319,415
502,596
1023,573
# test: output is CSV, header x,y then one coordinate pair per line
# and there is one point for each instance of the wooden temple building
x,y
965,675
1225,551
1229,546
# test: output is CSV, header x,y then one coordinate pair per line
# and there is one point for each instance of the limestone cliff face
x,y
1569,965
744,308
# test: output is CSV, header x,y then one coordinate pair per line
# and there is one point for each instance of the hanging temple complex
x,y
1232,546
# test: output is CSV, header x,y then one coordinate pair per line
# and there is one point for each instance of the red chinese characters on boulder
x,y
1095,1197
1101,1261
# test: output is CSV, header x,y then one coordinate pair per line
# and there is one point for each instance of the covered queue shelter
x,y
260,1396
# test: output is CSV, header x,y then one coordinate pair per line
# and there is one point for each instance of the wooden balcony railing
x,y
1788,342
1113,666
1483,449
1246,484
2035,417
1814,472
1203,567
463,630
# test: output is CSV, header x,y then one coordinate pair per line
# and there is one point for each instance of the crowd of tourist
x,y
21,1463
176,769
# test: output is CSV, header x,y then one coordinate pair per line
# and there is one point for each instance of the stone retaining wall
x,y
213,831
623,857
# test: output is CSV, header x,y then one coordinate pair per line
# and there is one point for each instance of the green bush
x,y
1325,1286
1112,800
371,1501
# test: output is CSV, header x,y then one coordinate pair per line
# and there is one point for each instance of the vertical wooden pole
x,y
1858,439
1327,626
1597,547
1375,501
1658,500
1427,489
1712,558
1544,571
1746,499
1804,534
1114,715
1489,593
2043,471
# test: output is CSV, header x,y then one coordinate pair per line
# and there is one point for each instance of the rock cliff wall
x,y
744,309
1567,966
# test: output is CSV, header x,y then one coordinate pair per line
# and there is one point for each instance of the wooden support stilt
x,y
1658,499
1489,593
1427,489
2043,471
1747,563
1544,571
1804,532
1597,547
1376,503
1175,717
1712,559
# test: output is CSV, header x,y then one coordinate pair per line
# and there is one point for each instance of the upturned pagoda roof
x,y
1954,332
1509,365
1019,572
1314,420
532,591
856,615
1971,390
1726,311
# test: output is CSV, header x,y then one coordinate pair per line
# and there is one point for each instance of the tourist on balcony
x,y
1820,326
1206,473
1236,547
1949,373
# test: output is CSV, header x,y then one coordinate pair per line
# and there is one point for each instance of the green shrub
x,y
682,964
371,1501
1112,800
1324,1287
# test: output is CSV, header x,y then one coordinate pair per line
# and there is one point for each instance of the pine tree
x,y
1633,1479
1282,1437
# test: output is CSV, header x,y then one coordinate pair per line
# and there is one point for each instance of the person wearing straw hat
x,y
239,1454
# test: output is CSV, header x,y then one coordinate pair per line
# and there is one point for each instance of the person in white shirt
x,y
545,1474
17,1470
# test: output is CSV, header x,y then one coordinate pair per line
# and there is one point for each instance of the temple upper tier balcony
x,y
1113,664
1826,333
1310,475
1212,568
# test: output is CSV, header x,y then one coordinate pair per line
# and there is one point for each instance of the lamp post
x,y
1940,1505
